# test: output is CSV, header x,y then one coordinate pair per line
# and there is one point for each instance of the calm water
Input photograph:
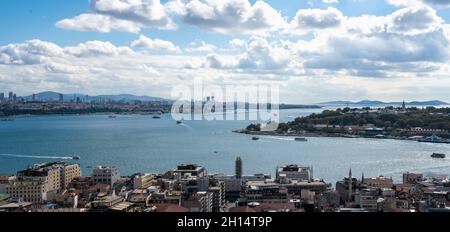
x,y
137,143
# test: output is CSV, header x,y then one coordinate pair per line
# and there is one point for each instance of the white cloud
x,y
97,48
229,17
122,15
434,3
155,44
29,52
200,46
330,1
414,20
307,20
99,23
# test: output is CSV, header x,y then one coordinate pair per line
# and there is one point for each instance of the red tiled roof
x,y
165,208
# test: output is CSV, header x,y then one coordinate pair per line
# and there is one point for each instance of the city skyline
x,y
347,49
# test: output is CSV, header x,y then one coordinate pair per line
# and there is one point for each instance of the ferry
x,y
438,155
301,139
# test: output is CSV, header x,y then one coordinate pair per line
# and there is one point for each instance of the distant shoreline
x,y
314,135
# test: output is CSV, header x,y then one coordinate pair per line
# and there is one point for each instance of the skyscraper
x,y
2,97
10,96
61,97
238,167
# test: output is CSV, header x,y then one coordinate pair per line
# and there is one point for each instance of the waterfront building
x,y
105,175
294,172
412,178
238,167
41,182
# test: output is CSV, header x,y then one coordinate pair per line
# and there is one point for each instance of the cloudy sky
x,y
317,50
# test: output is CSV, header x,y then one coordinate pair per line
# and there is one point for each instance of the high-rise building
x,y
61,97
14,97
105,175
10,96
218,197
2,97
238,167
41,182
33,97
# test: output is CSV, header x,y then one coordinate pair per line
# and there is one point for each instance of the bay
x,y
139,143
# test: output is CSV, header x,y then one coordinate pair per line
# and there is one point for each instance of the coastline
x,y
314,135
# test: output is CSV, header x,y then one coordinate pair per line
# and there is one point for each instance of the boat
x,y
301,139
438,155
7,119
76,158
179,122
255,138
216,152
156,117
434,139
112,116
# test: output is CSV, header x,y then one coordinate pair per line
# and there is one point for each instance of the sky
x,y
316,50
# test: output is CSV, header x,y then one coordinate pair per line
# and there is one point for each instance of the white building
x,y
105,175
294,172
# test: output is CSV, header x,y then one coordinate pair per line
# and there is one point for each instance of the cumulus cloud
x,y
307,20
155,44
229,17
29,52
411,40
434,3
122,15
414,20
260,56
97,48
201,46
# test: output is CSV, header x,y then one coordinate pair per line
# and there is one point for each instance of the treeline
x,y
429,118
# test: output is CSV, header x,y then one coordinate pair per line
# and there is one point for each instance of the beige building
x,y
141,181
41,182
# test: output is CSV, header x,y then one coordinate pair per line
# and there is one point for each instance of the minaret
x,y
350,187
238,168
362,178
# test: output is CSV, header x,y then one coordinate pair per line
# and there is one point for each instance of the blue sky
x,y
23,20
399,48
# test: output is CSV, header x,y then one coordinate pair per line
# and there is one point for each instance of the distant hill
x,y
380,103
54,96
